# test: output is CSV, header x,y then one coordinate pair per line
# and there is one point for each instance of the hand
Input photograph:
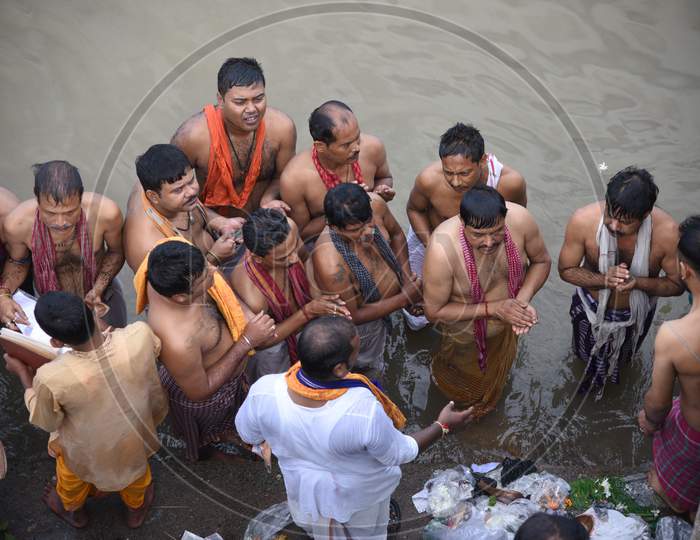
x,y
515,312
416,310
224,247
520,330
385,192
260,329
328,304
11,313
93,298
227,226
276,204
413,290
453,418
616,276
628,285
19,368
645,425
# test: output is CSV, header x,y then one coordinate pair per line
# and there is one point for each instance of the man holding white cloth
x,y
336,435
614,252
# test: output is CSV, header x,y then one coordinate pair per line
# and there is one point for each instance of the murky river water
x,y
624,75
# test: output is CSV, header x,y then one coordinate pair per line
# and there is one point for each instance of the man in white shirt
x,y
335,434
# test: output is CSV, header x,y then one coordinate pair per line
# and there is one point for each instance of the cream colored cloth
x,y
104,405
640,302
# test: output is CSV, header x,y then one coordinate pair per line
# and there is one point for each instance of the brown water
x,y
622,77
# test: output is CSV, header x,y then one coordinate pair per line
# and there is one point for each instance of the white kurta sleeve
x,y
247,423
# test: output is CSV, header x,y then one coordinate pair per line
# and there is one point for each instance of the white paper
x,y
31,330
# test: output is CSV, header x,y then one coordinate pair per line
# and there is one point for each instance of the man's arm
x,y
293,193
659,399
397,238
417,210
539,261
383,181
287,149
188,138
111,221
572,252
16,267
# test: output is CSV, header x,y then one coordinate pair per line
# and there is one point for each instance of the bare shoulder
x,y
374,148
8,201
278,124
176,340
588,215
246,291
192,130
518,215
511,181
324,255
665,228
445,233
378,204
429,178
20,221
299,169
106,210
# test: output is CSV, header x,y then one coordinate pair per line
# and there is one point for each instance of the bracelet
x,y
486,307
306,315
444,427
247,340
218,261
5,291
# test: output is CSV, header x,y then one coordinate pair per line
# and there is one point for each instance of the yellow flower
x,y
568,503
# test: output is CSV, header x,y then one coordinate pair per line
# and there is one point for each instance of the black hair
x,y
462,140
321,123
264,229
173,267
346,204
631,193
65,316
57,180
482,207
161,163
541,526
689,241
239,72
324,343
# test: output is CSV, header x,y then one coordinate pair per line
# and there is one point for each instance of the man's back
x,y
336,459
109,401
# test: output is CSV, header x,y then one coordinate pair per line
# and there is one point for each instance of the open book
x,y
31,344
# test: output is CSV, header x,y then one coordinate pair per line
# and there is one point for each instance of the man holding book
x,y
104,400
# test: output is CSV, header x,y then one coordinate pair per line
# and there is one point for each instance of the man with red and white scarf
x,y
482,269
72,240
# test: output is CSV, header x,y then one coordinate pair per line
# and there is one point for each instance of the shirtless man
x,y
438,189
272,279
168,206
482,269
72,238
205,341
338,155
614,251
675,423
240,147
361,255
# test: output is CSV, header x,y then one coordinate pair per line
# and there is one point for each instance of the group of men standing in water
x,y
252,260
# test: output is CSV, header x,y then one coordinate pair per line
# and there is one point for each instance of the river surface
x,y
543,80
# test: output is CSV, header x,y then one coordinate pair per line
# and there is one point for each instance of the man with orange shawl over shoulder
x,y
482,269
336,435
271,278
239,146
206,342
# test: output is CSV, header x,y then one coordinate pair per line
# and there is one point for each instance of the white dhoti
x,y
367,524
416,255
370,361
274,359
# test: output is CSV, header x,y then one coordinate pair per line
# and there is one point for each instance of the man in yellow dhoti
x,y
481,270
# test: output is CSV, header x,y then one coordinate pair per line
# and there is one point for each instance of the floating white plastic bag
x,y
269,522
187,535
612,525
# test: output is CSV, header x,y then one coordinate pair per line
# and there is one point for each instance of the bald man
x,y
339,154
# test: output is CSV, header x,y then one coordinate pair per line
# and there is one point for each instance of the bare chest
x,y
212,333
316,190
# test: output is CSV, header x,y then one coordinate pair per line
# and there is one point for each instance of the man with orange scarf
x,y
240,146
336,435
482,269
167,205
272,279
206,342
71,239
